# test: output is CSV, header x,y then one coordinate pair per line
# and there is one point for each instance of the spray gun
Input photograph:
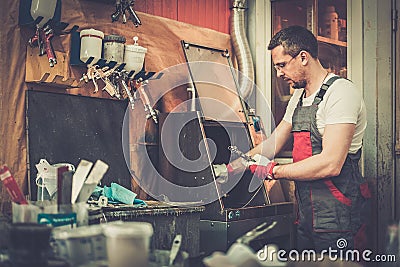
x,y
235,150
105,73
120,9
42,39
151,112
47,34
91,75
95,73
123,76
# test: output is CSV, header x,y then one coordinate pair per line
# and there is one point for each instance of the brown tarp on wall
x,y
160,36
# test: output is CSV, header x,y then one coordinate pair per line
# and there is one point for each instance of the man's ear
x,y
304,57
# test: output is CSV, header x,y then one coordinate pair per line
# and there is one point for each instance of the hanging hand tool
x,y
45,36
104,74
123,77
151,112
134,17
111,78
120,9
34,40
91,75
42,39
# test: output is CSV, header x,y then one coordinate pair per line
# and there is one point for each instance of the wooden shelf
x,y
331,41
38,70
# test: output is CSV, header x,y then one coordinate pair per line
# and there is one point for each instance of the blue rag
x,y
119,194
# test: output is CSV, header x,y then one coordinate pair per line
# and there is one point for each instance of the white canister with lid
x,y
91,44
80,245
134,56
43,8
114,48
128,243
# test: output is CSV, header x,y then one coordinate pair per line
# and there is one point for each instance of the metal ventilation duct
x,y
241,47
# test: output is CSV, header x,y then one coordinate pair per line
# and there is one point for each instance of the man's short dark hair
x,y
295,39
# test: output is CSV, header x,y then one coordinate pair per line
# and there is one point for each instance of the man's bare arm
x,y
335,146
269,147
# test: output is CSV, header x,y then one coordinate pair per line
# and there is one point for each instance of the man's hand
x,y
263,172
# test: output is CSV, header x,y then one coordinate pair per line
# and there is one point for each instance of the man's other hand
x,y
263,172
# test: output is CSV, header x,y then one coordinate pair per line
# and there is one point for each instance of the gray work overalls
x,y
331,208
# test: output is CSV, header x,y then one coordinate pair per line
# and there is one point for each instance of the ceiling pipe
x,y
241,47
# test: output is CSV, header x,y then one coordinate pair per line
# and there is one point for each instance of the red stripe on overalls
x,y
337,194
302,148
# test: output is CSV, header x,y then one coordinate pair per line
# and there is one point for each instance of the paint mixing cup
x,y
134,57
44,9
91,45
128,243
114,48
80,245
29,244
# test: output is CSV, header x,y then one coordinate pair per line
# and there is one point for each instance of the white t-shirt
x,y
342,103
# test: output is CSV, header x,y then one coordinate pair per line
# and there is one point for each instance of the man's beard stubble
x,y
299,85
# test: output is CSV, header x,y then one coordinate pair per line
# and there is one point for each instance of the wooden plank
x,y
331,41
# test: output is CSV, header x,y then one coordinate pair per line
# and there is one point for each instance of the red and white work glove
x,y
263,167
264,172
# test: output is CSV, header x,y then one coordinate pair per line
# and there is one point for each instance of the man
x,y
327,118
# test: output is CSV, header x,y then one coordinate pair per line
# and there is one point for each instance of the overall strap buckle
x,y
324,87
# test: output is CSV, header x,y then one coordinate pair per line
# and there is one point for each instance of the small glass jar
x,y
114,48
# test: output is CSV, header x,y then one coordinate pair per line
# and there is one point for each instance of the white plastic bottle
x,y
91,45
134,56
43,8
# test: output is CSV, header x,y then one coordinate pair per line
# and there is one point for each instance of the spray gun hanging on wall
x,y
42,11
121,6
123,80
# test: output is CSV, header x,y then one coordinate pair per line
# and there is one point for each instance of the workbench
x,y
167,221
